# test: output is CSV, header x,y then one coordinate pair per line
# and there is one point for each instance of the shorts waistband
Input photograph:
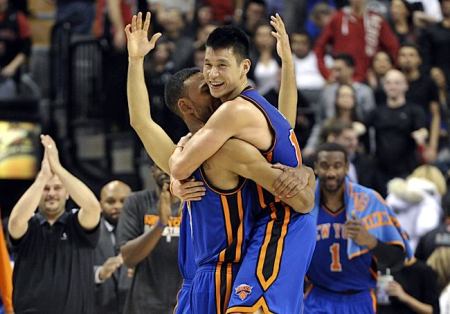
x,y
213,267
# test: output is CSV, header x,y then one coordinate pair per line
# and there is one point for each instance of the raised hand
x,y
51,151
164,204
45,172
283,46
137,36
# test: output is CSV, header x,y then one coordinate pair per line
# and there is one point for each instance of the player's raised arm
x,y
288,97
157,143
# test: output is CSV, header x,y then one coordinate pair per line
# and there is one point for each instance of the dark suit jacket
x,y
110,295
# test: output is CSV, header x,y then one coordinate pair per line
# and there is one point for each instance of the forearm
x,y
288,91
303,202
388,256
25,208
114,14
89,215
157,143
435,127
15,63
416,305
136,250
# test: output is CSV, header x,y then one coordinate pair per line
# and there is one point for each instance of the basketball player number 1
x,y
335,258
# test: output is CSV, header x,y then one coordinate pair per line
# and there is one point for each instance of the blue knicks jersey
x,y
330,267
221,222
186,262
285,148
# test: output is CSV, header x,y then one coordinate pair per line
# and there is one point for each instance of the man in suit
x,y
112,280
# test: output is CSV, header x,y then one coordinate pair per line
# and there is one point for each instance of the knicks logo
x,y
243,291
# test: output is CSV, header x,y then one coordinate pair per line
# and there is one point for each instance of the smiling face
x,y
53,199
198,95
331,169
225,72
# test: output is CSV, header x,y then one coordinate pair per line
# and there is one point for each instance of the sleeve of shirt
x,y
131,221
17,243
90,237
389,41
321,44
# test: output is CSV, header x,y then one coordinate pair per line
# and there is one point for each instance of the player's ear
x,y
246,64
185,106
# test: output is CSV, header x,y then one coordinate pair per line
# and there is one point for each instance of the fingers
x,y
139,21
278,184
279,166
155,38
193,184
128,30
134,23
147,21
287,186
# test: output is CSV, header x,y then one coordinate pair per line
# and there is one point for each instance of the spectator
x,y
401,20
423,92
435,42
15,47
254,14
148,234
54,249
413,290
358,31
381,64
112,280
110,20
417,210
343,69
438,237
440,262
319,17
79,13
264,61
309,79
400,130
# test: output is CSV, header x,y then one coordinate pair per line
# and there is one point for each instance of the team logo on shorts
x,y
243,291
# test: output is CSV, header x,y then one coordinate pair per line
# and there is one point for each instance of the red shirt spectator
x,y
360,35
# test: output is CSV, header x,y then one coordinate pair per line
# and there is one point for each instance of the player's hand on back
x,y
137,36
190,190
280,34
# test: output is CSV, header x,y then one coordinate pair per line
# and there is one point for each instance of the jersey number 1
x,y
335,258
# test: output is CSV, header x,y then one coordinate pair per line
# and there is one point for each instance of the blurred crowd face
x,y
263,38
398,10
439,77
204,15
331,169
112,198
342,72
300,45
395,84
172,20
345,98
203,33
3,5
357,3
53,199
381,63
409,59
161,53
254,14
160,176
445,6
349,139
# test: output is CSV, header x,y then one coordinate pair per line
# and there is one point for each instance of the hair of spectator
x,y
346,58
334,127
331,147
175,89
413,46
230,37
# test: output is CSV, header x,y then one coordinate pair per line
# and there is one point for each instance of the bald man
x,y
111,278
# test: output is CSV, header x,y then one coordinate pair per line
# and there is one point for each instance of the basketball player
x,y
274,249
216,253
357,234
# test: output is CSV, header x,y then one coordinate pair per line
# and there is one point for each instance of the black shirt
x,y
435,238
421,92
53,272
419,281
394,143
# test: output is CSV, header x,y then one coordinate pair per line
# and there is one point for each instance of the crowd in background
x,y
372,76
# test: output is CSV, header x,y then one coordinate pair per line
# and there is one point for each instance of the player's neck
x,y
333,201
235,92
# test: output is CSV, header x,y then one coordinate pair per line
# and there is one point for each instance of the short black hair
x,y
229,36
175,89
346,58
413,46
331,147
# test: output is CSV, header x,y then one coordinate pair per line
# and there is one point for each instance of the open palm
x,y
283,46
137,36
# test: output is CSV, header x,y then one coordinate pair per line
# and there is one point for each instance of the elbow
x,y
178,171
